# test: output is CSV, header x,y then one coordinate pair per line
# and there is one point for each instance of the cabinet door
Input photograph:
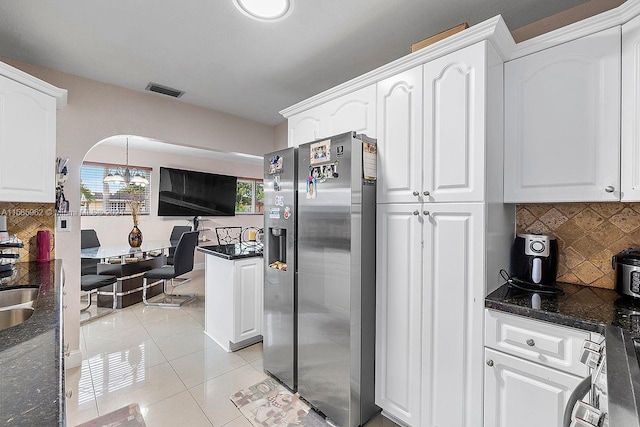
x,y
27,143
306,126
248,299
562,122
452,314
355,111
398,305
630,174
400,138
454,126
524,394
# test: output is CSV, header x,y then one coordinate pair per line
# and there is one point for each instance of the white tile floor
x,y
161,359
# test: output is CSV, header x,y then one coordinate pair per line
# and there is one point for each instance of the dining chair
x,y
182,263
89,239
229,235
90,283
176,233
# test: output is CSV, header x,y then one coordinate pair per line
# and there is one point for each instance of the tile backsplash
x,y
25,220
588,234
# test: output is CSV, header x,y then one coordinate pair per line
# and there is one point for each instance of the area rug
x,y
128,416
270,404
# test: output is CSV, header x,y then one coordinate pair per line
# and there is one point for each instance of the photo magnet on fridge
x,y
311,188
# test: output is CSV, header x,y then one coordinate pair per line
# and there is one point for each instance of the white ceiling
x,y
228,62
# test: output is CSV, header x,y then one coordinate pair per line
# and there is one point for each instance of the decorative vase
x,y
135,237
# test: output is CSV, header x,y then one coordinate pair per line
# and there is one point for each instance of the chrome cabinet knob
x,y
69,393
416,212
489,362
425,213
416,193
426,193
531,342
609,189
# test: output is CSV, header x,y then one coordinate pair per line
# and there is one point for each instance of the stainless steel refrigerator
x,y
279,326
336,276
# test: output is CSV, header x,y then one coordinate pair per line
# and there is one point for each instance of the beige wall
x,y
96,111
281,136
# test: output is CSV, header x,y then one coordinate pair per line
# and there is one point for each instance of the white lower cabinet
x,y
428,349
522,393
530,370
234,301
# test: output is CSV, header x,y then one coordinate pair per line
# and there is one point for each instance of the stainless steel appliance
x,y
534,258
627,266
279,238
336,276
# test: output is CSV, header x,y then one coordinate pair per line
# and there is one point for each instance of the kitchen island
x,y
32,359
233,294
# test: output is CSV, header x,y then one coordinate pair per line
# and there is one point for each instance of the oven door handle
x,y
578,393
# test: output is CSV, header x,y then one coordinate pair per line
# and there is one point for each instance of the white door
x,y
454,126
562,122
248,299
452,314
306,126
398,305
630,174
354,111
400,138
524,394
27,137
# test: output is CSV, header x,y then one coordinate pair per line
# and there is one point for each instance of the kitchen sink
x,y
14,316
18,297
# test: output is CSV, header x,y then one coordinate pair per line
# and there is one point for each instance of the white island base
x,y
233,301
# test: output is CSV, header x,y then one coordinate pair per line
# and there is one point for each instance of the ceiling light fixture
x,y
126,176
265,10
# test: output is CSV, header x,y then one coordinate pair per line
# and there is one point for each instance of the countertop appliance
x,y
534,258
319,291
627,266
279,238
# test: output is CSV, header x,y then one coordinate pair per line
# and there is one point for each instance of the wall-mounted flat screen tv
x,y
191,193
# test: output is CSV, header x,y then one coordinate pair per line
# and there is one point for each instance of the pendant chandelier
x,y
126,176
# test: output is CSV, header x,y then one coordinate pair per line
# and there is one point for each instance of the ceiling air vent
x,y
165,90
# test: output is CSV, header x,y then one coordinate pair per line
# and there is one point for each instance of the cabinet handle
x,y
531,342
426,193
69,393
416,193
489,362
609,189
425,213
416,212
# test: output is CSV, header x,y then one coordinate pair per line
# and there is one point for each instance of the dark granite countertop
x,y
32,359
581,307
233,251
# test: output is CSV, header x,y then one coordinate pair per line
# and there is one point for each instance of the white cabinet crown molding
x,y
35,83
618,16
494,30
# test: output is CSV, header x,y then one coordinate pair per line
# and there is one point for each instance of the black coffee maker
x,y
534,258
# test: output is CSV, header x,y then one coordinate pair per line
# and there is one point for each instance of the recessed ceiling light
x,y
265,10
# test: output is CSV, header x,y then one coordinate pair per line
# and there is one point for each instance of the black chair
x,y
176,233
90,280
183,263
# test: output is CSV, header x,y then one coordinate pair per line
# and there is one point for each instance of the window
x,y
100,198
249,196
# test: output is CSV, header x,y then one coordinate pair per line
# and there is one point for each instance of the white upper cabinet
x,y
354,111
454,126
400,138
27,143
306,126
562,122
630,174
